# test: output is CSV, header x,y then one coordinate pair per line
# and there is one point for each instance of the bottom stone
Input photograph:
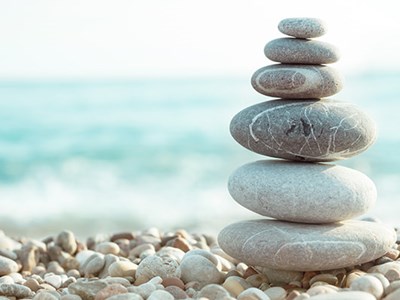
x,y
306,247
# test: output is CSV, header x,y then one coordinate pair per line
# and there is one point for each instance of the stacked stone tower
x,y
311,201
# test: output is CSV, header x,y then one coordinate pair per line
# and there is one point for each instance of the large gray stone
x,y
302,192
301,51
302,27
297,81
305,247
304,130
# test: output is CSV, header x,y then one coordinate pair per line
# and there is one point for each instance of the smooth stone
x,y
297,81
302,192
346,295
305,247
304,28
369,284
153,266
304,130
7,266
301,51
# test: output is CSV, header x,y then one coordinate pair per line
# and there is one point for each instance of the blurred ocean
x,y
102,156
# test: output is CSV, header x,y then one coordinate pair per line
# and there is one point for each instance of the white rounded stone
x,y
302,192
306,247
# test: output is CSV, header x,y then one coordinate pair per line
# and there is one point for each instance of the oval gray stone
x,y
305,247
302,27
297,81
302,192
304,130
301,51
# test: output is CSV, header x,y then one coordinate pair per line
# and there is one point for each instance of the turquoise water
x,y
113,155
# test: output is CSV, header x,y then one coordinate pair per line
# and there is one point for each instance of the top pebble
x,y
304,28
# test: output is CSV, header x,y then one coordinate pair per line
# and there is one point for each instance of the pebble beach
x,y
152,264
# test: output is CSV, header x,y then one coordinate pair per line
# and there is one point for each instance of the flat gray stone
x,y
301,51
302,192
297,81
304,130
302,27
305,247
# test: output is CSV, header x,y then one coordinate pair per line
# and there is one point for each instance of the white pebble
x,y
276,293
369,284
253,294
160,295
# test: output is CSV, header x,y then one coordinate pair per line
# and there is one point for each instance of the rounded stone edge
x,y
319,24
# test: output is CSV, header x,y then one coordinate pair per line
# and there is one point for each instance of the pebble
x,y
7,266
122,269
280,276
66,240
304,28
213,292
369,284
15,290
253,294
200,269
45,296
301,51
6,280
108,248
276,293
173,281
235,285
289,194
127,296
292,129
70,297
54,280
155,265
296,81
305,247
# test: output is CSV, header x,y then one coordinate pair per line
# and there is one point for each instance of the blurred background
x,y
114,115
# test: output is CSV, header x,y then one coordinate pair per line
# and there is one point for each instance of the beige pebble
x,y
109,259
110,290
160,295
328,278
120,280
252,294
108,248
321,289
292,295
276,293
384,281
383,268
393,254
302,296
122,269
369,284
235,285
33,284
353,276
211,257
47,287
68,281
281,276
66,240
127,296
180,243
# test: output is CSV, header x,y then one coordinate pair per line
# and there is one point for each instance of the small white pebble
x,y
369,284
276,293
253,294
160,295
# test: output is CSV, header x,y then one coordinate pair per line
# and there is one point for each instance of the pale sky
x,y
130,38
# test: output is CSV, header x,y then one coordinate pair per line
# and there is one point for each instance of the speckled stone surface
x,y
304,130
302,27
297,81
302,192
305,247
301,51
